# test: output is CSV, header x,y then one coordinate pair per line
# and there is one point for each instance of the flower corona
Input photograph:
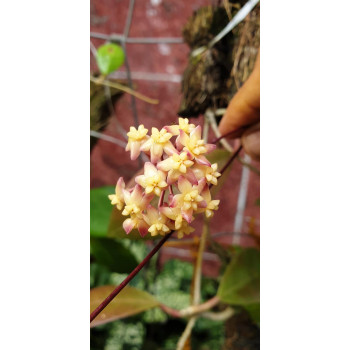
x,y
175,184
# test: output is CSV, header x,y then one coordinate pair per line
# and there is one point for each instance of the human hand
x,y
244,112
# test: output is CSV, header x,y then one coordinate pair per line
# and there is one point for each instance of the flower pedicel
x,y
178,173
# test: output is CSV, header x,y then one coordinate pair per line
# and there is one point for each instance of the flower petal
x,y
168,212
202,160
183,138
173,175
166,164
197,132
206,194
187,215
210,147
143,228
156,153
201,184
198,171
136,195
173,129
120,186
180,146
169,149
184,185
127,196
146,199
146,145
150,169
134,149
141,180
175,201
202,204
191,177
151,215
128,225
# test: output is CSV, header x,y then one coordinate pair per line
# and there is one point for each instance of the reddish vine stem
x,y
232,134
117,290
234,155
161,199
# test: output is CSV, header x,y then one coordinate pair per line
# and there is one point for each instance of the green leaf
x,y
130,301
112,254
240,284
109,58
100,210
254,312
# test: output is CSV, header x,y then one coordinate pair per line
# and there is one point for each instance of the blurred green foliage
x,y
112,254
100,210
240,284
154,329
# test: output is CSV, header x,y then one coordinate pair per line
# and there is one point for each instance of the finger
x,y
251,141
244,108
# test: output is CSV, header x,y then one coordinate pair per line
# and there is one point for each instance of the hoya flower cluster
x,y
175,182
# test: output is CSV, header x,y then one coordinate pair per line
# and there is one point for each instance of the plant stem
x,y
219,316
232,134
183,242
197,309
161,199
187,332
214,126
198,267
171,190
119,127
234,155
126,89
205,129
117,290
196,287
191,310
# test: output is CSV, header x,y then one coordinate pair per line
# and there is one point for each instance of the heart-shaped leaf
x,y
240,284
109,58
130,301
